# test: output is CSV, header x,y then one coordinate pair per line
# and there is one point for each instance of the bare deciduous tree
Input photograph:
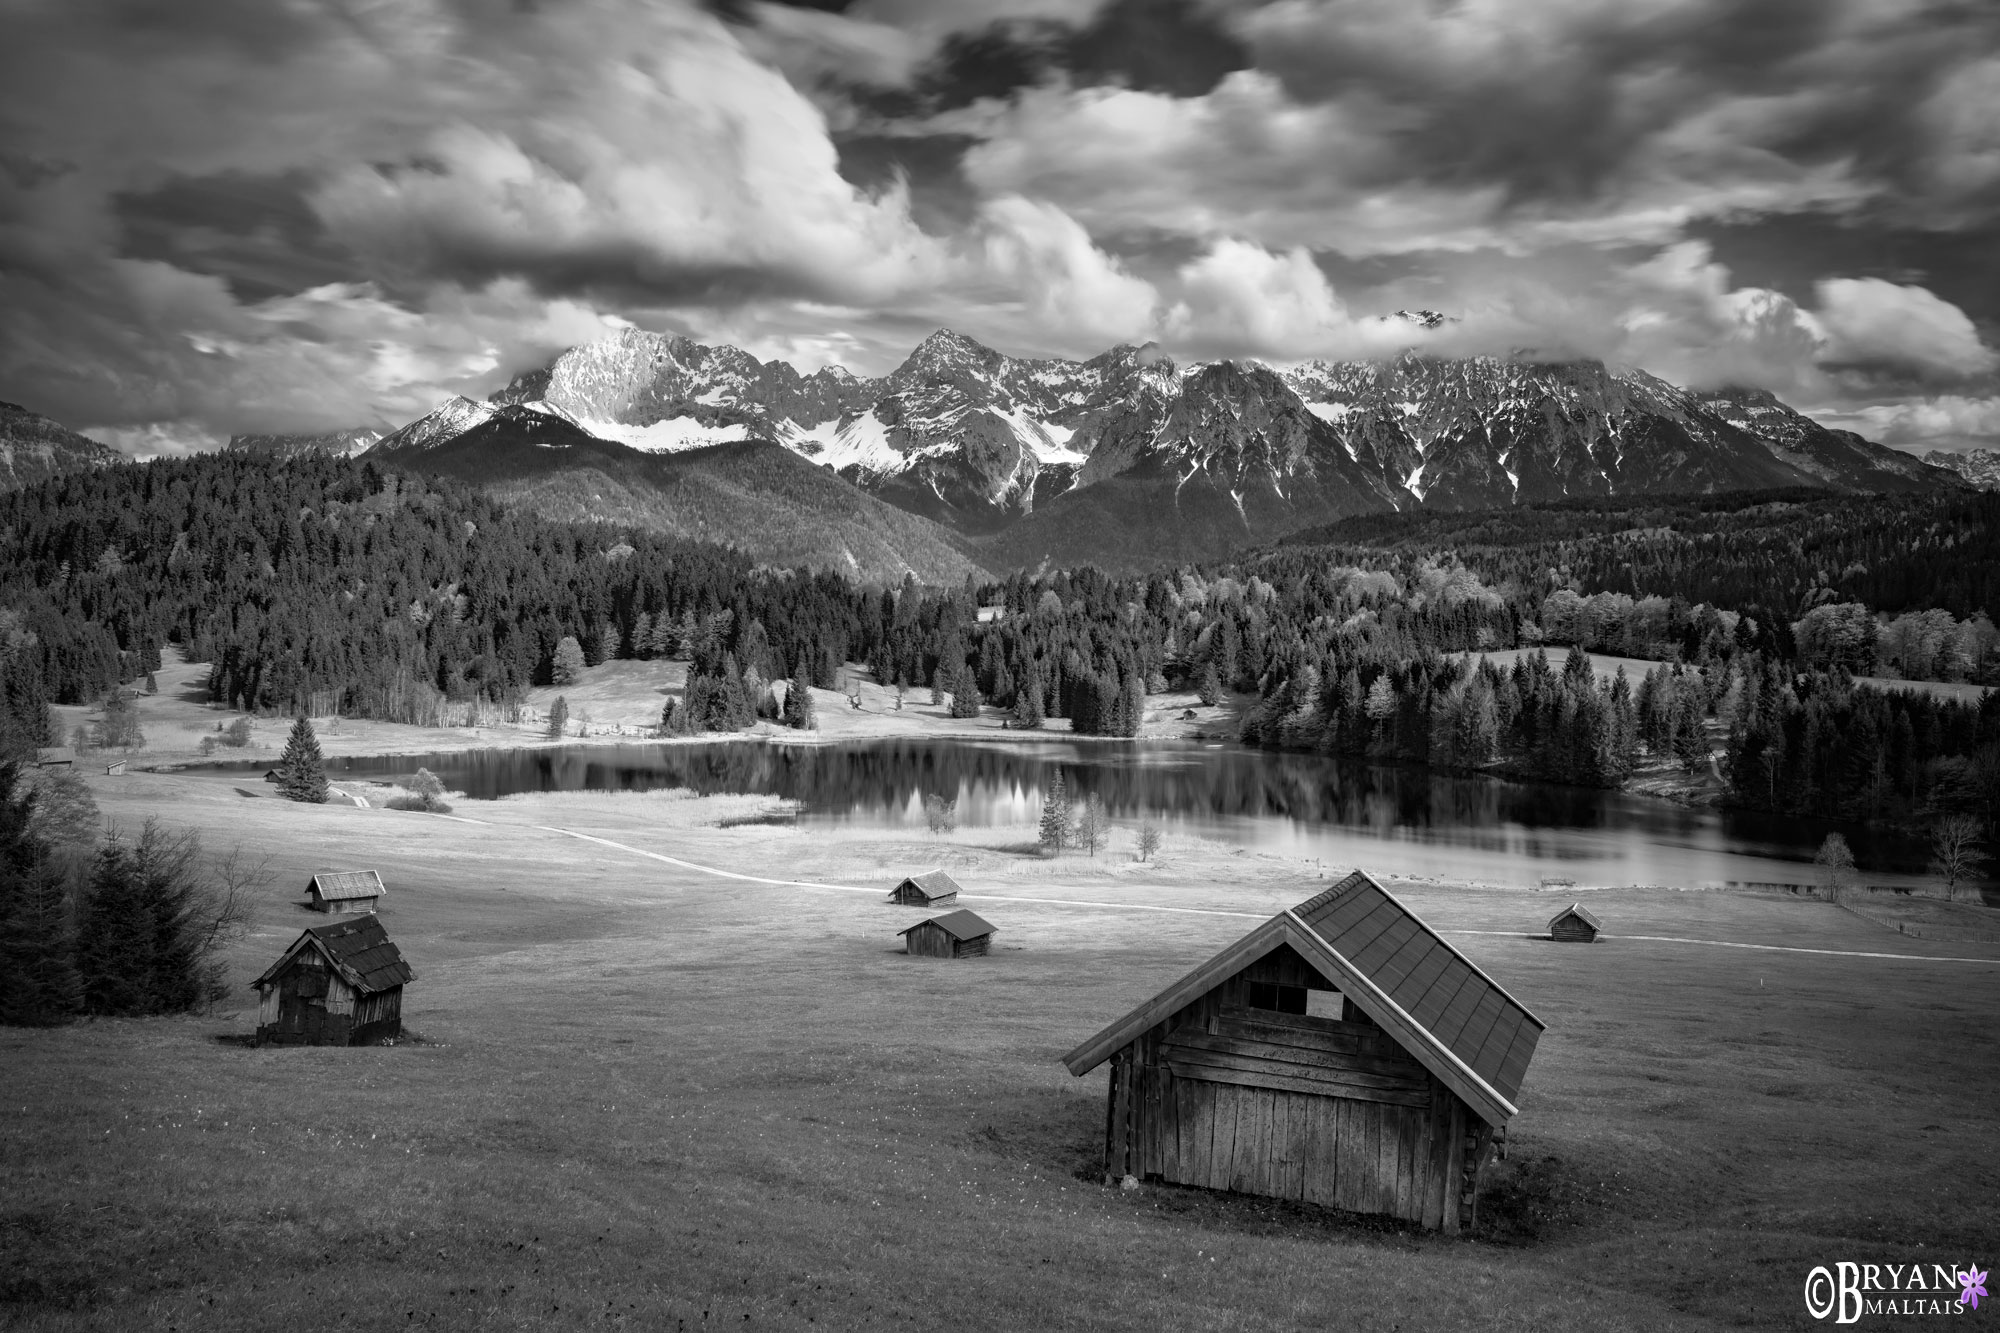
x,y
1092,828
1836,863
1149,840
1955,853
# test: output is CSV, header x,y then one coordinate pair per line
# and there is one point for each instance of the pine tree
x,y
965,693
800,710
1055,825
38,977
1210,685
558,718
302,769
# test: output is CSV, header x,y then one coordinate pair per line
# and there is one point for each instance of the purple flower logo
x,y
1974,1282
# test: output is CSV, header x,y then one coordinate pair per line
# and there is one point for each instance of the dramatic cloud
x,y
1870,320
316,215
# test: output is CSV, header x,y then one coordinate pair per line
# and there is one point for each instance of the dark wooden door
x,y
302,1002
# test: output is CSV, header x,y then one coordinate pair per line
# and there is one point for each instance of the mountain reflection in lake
x,y
1395,820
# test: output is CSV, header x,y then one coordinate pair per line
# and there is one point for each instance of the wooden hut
x,y
116,770
55,756
340,984
933,888
959,934
344,890
1342,1053
1573,925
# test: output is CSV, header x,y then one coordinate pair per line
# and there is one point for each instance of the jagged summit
x,y
1048,456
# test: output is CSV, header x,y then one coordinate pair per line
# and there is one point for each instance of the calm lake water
x,y
1389,819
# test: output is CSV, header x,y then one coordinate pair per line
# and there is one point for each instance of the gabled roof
x,y
960,925
934,883
341,885
55,754
357,948
1437,1003
1576,911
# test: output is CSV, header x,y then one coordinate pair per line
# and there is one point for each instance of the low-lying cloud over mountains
x,y
280,219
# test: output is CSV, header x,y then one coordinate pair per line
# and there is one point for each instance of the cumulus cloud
x,y
1948,421
1238,297
1869,320
1064,279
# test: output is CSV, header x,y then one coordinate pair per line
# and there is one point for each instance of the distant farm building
x,y
933,888
116,770
344,890
340,984
1573,925
55,756
989,615
959,934
1341,1054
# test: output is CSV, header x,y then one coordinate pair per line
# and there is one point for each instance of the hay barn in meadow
x,y
340,984
55,756
1573,925
933,888
959,934
1342,1054
344,890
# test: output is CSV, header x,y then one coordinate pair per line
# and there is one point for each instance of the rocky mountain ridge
x,y
34,448
1000,447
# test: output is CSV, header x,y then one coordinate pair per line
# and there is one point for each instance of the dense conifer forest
x,y
327,585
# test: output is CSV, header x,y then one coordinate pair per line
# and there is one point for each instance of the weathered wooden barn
x,y
55,756
1573,925
340,984
344,890
933,888
959,934
1342,1053
115,770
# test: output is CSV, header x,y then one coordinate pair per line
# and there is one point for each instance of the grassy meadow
x,y
643,1096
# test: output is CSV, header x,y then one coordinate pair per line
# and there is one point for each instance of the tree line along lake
x,y
1390,819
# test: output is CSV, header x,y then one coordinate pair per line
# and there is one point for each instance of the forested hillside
x,y
326,584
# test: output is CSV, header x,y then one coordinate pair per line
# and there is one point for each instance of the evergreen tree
x,y
1209,687
1028,713
965,693
558,718
38,977
1055,825
302,769
800,711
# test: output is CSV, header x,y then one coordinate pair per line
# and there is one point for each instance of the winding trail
x,y
1212,911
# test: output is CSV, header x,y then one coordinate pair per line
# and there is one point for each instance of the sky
x,y
223,216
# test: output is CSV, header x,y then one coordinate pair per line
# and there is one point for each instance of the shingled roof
x,y
1575,910
960,925
934,883
1438,1004
357,948
344,885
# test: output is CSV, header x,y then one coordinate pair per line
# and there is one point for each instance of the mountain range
x,y
964,457
1980,467
1130,458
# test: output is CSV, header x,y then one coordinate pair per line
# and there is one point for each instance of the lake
x,y
1391,819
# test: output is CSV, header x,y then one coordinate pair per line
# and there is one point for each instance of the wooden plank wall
x,y
1291,1106
1569,930
928,941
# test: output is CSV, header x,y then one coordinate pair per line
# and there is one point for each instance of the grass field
x,y
1606,665
648,1097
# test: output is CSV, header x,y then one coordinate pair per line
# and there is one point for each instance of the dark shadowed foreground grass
x,y
653,1100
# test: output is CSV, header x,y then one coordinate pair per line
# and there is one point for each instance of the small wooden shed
x,y
1573,925
55,756
959,934
933,888
344,890
116,770
1343,1053
340,984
